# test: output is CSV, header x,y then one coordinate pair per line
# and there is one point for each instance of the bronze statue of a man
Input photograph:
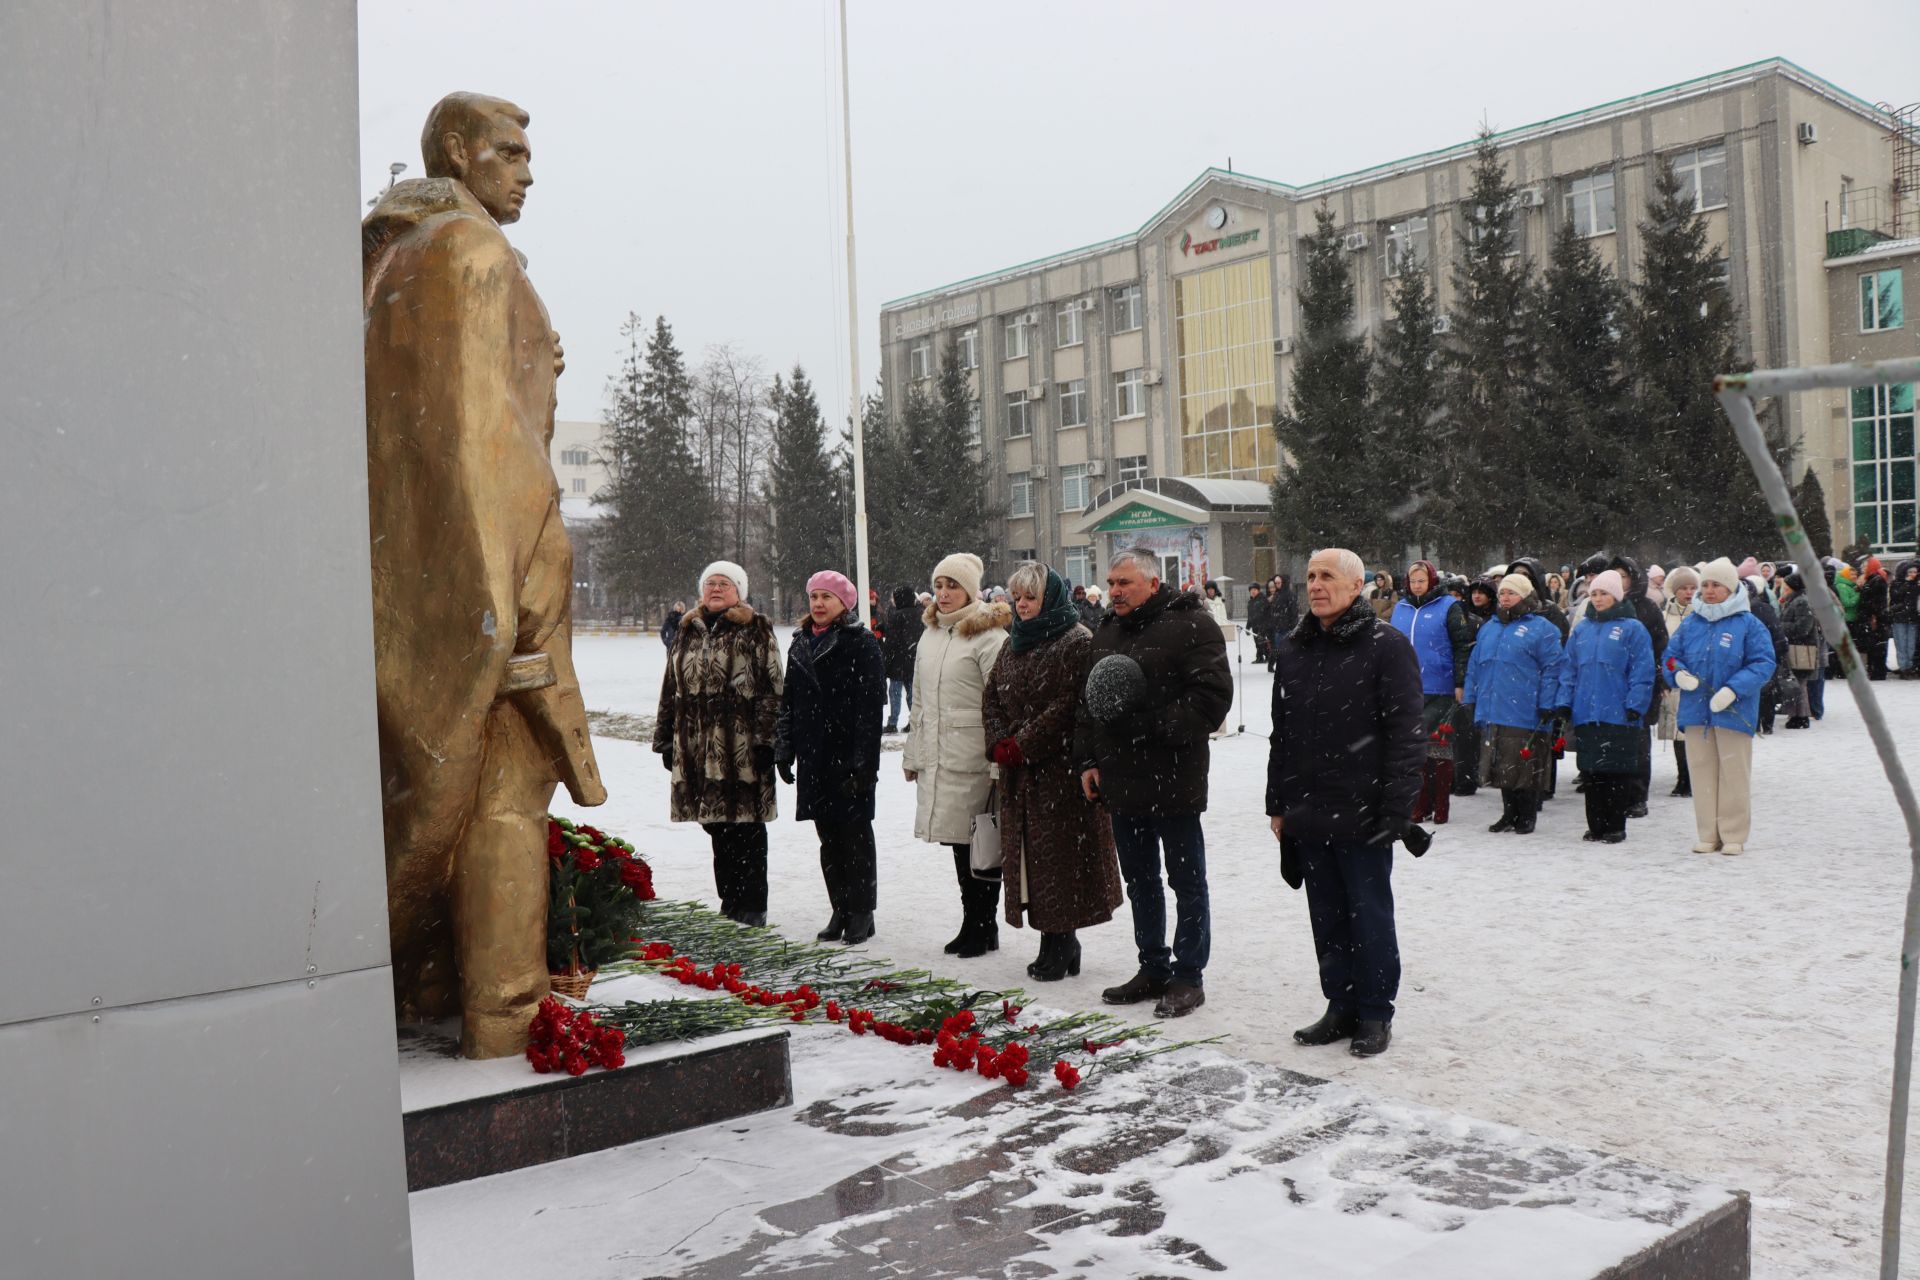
x,y
480,712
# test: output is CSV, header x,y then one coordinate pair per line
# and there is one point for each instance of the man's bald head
x,y
482,143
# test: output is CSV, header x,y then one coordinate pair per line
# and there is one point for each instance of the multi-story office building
x,y
575,454
1125,390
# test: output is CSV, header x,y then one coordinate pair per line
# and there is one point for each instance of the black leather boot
x,y
836,926
1370,1038
1332,1027
1059,956
963,871
1506,813
859,927
981,932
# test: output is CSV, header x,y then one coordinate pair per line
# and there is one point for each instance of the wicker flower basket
x,y
574,983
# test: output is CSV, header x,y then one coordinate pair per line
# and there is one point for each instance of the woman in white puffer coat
x,y
946,756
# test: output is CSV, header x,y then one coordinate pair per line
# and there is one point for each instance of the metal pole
x,y
853,341
1734,391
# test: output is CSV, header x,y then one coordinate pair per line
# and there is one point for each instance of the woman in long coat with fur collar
x,y
946,755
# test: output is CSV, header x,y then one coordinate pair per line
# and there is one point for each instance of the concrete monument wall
x,y
197,1066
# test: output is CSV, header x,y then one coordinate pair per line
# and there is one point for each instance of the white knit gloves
x,y
1687,681
1721,700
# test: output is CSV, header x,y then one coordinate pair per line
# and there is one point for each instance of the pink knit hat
x,y
1608,582
1748,567
829,580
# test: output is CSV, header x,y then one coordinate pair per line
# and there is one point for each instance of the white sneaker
x,y
1706,847
1732,849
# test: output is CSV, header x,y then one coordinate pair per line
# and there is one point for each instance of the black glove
x,y
1387,830
763,760
666,757
1633,717
786,771
1563,715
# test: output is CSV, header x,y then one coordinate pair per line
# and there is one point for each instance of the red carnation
x,y
1064,1072
1560,744
556,846
1526,753
1015,1076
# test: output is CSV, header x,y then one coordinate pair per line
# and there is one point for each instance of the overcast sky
x,y
686,156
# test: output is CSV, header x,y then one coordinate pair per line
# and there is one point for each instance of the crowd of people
x,y
1058,736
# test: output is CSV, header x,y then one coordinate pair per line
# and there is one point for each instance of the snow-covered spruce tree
x,y
802,489
1810,500
1603,460
1323,492
1409,422
926,484
1502,473
659,508
1700,495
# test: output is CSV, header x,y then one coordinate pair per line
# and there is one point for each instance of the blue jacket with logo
x,y
1513,678
1609,668
1726,647
1438,637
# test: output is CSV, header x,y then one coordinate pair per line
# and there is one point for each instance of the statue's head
x,y
482,142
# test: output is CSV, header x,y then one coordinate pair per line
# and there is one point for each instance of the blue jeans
x,y
1138,840
894,689
1350,905
1904,635
1817,693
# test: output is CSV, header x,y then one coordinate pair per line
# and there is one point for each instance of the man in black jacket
x,y
1147,763
1342,776
899,642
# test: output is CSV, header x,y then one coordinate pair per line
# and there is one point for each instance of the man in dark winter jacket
x,y
1283,613
1147,763
899,641
1257,622
1342,774
1650,616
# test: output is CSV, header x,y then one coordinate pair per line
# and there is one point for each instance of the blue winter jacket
x,y
1609,668
1513,678
1726,647
1426,625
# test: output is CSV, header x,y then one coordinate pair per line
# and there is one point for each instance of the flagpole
x,y
853,341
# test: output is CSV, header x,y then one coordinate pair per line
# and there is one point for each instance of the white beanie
x,y
1609,582
965,568
1722,572
1517,582
724,569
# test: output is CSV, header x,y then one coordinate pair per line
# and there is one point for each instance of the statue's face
x,y
496,166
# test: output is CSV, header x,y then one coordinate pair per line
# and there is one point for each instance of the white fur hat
x,y
725,569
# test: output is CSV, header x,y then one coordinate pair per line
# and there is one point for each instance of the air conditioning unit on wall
x,y
1037,391
1283,346
1355,241
1532,197
1096,468
1036,473
1443,324
1154,377
1808,132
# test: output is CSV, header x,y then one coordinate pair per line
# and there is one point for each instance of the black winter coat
x,y
903,627
1654,619
830,719
1153,759
1903,599
1283,612
1347,747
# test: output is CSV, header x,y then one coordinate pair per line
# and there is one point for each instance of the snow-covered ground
x,y
1727,1018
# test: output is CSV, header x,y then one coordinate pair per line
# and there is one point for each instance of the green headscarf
x,y
1057,616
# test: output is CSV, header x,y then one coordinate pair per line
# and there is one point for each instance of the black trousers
x,y
1642,776
1680,762
1609,796
739,865
1520,804
847,865
1350,906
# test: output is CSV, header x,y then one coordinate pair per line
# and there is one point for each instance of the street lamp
x,y
394,171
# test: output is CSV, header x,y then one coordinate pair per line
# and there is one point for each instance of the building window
x,y
574,457
973,422
1703,175
1070,325
1590,204
1846,202
1880,301
1019,419
1403,246
968,345
1131,467
1883,466
920,360
1130,393
1073,403
1014,329
1076,565
1127,311
1074,494
1223,335
1018,556
1020,494
579,484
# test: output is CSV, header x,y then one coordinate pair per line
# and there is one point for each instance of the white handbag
x,y
984,852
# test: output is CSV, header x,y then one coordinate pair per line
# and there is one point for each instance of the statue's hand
x,y
559,357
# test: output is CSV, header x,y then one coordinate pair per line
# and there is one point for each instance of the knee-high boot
x,y
1442,790
1423,807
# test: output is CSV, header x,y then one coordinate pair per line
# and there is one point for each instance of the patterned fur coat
x,y
719,704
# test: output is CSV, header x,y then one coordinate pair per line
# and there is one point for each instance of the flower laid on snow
x,y
1066,1074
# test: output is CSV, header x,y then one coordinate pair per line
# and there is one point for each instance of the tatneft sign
x,y
949,315
1188,245
1138,515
